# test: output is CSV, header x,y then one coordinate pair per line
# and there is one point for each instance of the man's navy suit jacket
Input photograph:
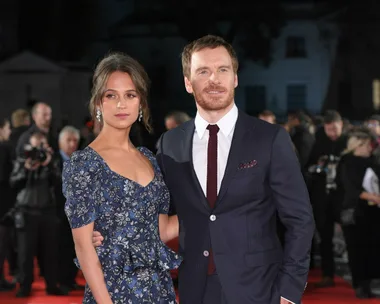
x,y
263,179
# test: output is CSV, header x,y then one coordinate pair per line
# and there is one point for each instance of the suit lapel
x,y
187,148
234,157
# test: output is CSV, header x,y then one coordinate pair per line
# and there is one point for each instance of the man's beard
x,y
46,125
214,104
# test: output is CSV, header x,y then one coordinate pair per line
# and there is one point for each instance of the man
x,y
301,135
329,144
228,174
42,117
175,119
172,121
68,141
35,218
267,116
373,124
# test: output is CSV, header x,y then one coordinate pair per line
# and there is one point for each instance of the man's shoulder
x,y
177,132
260,125
27,132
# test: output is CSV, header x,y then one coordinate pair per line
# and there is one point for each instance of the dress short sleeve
x,y
164,202
78,187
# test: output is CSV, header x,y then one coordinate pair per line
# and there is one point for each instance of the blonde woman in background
x,y
360,213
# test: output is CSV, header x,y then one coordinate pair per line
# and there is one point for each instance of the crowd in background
x,y
334,156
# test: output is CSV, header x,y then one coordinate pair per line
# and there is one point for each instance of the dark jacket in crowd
x,y
303,141
322,186
325,146
15,136
35,188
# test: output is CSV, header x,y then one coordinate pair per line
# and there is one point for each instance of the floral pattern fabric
x,y
135,262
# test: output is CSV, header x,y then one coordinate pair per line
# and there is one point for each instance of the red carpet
x,y
341,294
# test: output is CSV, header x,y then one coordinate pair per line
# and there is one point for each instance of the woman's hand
x,y
372,198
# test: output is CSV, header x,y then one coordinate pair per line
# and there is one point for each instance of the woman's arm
x,y
169,227
90,264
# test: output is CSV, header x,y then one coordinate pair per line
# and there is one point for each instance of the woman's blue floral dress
x,y
134,260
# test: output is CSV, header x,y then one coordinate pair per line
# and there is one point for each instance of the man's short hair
x,y
301,116
267,113
36,105
178,116
70,130
331,116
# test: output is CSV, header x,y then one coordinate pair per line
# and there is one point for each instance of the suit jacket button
x,y
212,218
206,253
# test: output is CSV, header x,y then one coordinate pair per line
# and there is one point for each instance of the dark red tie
x,y
212,178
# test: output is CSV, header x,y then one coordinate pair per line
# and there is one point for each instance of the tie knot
x,y
213,129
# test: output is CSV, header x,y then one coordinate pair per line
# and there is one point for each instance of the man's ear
x,y
188,86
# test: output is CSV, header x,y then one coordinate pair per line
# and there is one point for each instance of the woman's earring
x,y
140,113
98,115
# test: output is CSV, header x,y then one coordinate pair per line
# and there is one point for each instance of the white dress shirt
x,y
200,146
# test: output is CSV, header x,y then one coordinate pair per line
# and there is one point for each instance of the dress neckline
x,y
140,149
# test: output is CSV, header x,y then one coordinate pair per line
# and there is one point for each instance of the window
x,y
296,96
295,47
255,99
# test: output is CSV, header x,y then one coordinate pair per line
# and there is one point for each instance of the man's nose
x,y
214,78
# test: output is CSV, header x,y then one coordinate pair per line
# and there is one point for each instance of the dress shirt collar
x,y
64,155
226,124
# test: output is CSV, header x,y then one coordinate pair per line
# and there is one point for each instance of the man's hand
x,y
49,156
31,165
97,239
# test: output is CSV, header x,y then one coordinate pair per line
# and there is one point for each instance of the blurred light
x,y
376,94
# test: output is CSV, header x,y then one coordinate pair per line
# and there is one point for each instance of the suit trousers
x,y
324,214
39,230
213,292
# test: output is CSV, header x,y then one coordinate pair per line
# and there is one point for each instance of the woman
x,y
118,189
360,213
6,198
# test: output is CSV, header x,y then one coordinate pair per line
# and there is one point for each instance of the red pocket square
x,y
247,165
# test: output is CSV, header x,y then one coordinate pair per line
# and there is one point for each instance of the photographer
x,y
42,119
324,195
33,178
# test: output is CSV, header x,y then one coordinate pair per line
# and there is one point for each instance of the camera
x,y
326,167
35,154
325,164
